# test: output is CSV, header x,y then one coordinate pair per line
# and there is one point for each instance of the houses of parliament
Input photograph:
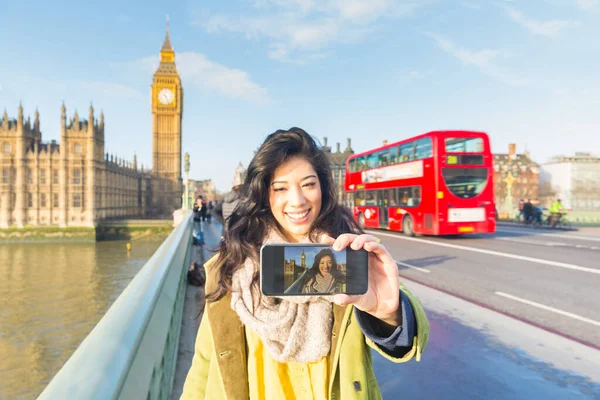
x,y
74,182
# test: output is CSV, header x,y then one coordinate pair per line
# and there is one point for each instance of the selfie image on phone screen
x,y
311,270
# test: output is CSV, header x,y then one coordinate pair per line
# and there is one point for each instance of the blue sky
x,y
311,252
524,71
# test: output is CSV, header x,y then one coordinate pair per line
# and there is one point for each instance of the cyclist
x,y
556,212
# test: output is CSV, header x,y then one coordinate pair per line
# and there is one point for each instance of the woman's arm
x,y
404,342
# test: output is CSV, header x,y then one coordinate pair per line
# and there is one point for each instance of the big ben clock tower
x,y
167,110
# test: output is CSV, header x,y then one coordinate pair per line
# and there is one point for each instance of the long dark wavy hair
x,y
251,219
312,272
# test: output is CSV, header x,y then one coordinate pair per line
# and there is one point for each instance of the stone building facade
x,y
575,180
75,183
516,177
205,188
337,161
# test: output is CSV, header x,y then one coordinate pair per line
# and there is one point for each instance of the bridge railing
x,y
131,353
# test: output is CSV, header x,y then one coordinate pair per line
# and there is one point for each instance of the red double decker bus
x,y
438,183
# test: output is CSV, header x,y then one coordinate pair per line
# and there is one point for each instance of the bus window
x,y
464,145
393,198
393,155
423,148
465,182
406,152
359,198
372,161
352,165
360,164
383,158
409,196
370,198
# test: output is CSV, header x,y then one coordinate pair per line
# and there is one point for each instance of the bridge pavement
x,y
513,316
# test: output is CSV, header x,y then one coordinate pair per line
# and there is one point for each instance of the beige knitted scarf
x,y
295,329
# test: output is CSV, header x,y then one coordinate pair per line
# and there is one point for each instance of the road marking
x,y
540,233
548,308
548,244
492,252
529,241
421,269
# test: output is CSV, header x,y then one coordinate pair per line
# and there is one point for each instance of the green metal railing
x,y
131,353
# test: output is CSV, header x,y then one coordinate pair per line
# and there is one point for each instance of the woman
x,y
251,346
324,276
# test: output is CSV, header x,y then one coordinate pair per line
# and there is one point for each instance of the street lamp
x,y
186,167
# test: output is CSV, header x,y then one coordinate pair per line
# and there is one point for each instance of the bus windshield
x,y
465,183
464,145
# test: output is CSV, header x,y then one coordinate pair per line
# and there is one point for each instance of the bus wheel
x,y
361,221
407,226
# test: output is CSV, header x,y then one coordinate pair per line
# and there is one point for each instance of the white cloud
x,y
297,30
587,4
485,60
197,70
542,28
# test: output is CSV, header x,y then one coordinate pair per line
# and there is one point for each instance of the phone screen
x,y
304,270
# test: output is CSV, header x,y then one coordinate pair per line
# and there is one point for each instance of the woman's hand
x,y
382,299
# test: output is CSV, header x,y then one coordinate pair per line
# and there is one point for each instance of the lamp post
x,y
186,166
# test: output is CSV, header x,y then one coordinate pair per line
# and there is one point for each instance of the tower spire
x,y
167,43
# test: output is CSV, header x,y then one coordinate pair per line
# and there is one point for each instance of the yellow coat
x,y
219,367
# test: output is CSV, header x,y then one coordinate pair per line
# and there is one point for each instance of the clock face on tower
x,y
166,96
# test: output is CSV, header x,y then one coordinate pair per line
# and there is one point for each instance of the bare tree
x,y
547,193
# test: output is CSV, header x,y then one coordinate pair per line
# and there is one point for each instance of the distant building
x,y
516,177
337,161
575,180
74,182
206,188
239,175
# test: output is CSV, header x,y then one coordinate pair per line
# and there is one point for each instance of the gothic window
x,y
76,176
77,200
29,176
5,176
77,148
42,176
6,148
55,201
30,200
43,200
55,178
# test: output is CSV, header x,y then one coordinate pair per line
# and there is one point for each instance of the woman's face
x,y
295,197
325,265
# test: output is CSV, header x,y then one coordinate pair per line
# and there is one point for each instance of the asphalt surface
x,y
547,278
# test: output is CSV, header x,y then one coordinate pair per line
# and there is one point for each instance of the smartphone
x,y
305,269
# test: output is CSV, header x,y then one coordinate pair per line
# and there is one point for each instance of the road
x,y
546,278
514,315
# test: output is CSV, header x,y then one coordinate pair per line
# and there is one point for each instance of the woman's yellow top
x,y
272,380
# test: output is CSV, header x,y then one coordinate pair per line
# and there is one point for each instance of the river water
x,y
51,296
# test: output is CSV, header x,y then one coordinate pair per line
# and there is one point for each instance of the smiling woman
x,y
260,347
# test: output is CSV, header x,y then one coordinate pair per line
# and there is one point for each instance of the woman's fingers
x,y
343,241
360,241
